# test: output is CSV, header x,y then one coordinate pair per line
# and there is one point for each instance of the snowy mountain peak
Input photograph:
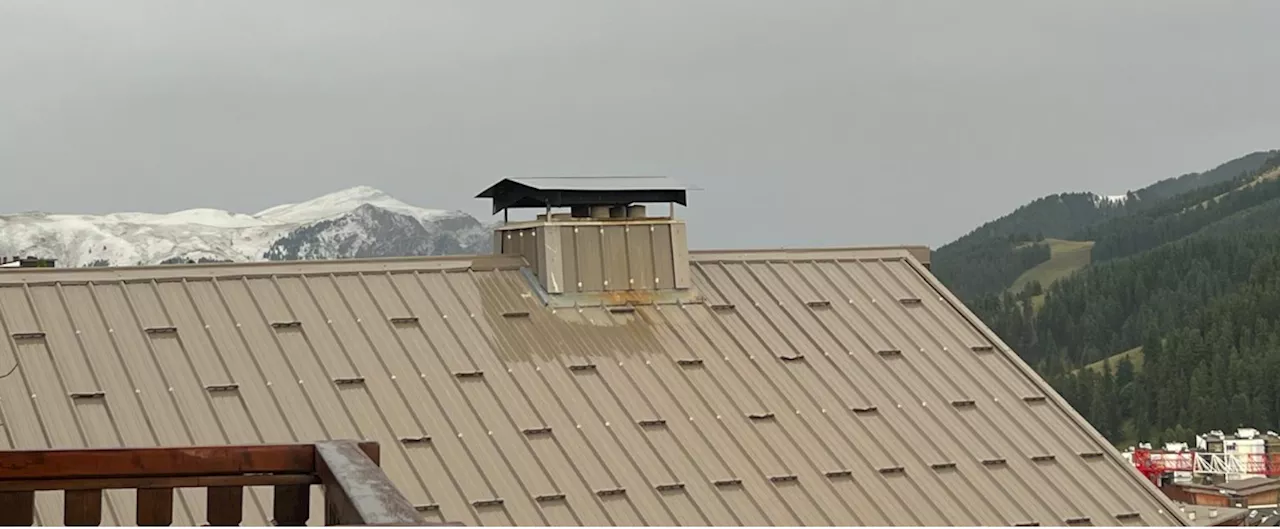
x,y
340,203
359,221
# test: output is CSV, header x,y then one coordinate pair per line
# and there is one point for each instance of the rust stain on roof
x,y
755,407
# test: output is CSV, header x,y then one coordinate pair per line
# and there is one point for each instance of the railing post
x,y
17,509
225,506
155,507
356,491
82,507
292,505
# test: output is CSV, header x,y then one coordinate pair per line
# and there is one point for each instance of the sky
x,y
804,122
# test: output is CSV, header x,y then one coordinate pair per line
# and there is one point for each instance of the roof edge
x,y
1170,507
443,262
921,253
260,269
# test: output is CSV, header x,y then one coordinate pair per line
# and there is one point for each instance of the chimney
x,y
607,249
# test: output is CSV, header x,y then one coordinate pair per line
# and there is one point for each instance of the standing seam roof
x,y
837,388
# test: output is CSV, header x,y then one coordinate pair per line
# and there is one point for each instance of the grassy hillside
x,y
1134,355
989,259
1065,258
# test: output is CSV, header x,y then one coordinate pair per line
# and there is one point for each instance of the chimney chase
x,y
607,250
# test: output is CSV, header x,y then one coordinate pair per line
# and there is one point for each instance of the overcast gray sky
x,y
808,122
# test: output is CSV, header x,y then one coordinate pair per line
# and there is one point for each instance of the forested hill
x,y
990,259
1155,317
1171,187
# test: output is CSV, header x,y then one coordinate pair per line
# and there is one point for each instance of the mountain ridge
x,y
992,256
359,221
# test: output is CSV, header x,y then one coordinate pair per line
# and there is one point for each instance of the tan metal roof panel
x,y
841,387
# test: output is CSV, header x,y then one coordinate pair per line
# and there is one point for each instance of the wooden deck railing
x,y
356,491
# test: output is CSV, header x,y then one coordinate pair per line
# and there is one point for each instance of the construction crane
x,y
1155,464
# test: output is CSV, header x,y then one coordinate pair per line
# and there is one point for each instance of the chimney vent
x,y
607,247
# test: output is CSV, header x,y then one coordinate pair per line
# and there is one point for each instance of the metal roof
x,y
1244,487
1210,515
827,388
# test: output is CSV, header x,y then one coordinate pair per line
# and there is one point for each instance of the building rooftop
x,y
1242,487
1207,515
805,387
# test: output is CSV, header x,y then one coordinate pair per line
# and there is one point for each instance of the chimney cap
x,y
568,191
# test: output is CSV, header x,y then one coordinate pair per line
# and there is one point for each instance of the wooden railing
x,y
356,491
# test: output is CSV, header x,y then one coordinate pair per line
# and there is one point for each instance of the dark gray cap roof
x,y
567,191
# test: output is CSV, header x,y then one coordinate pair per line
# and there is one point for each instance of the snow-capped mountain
x,y
356,222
